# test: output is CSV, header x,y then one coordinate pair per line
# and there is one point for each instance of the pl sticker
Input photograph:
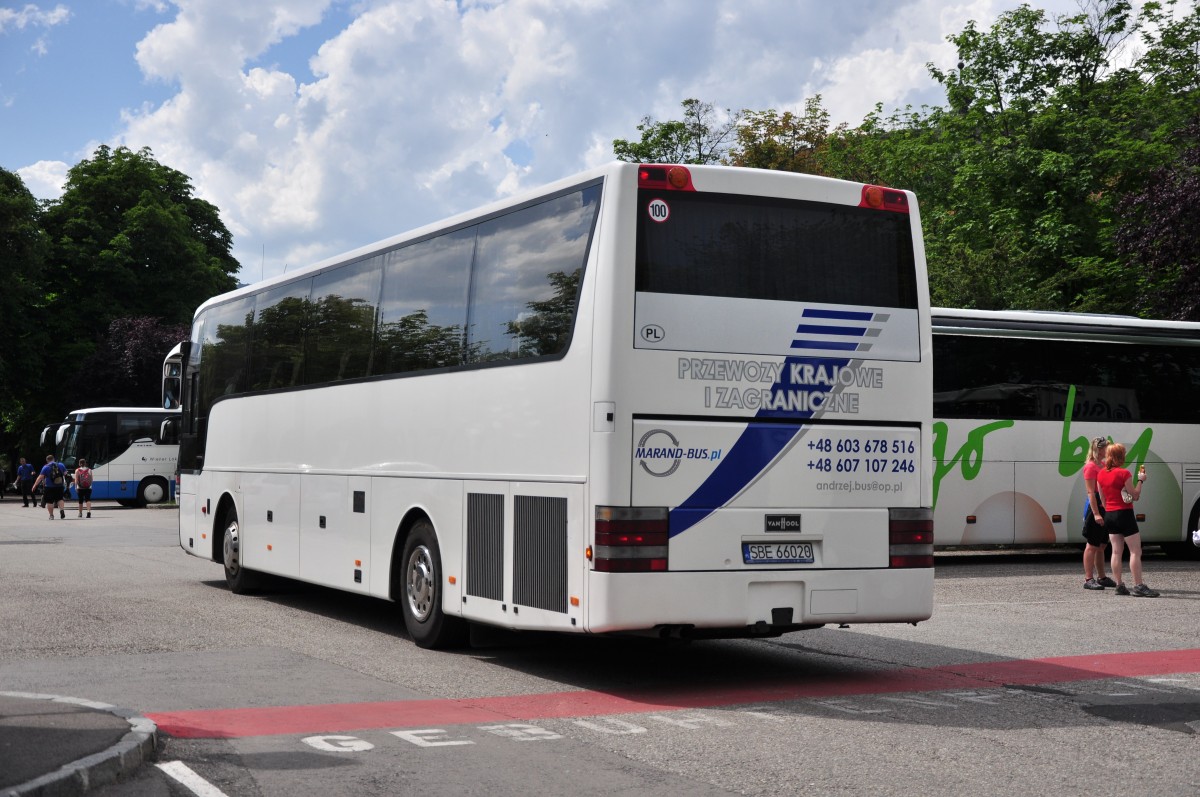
x,y
658,210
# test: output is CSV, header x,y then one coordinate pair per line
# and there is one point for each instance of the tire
x,y
152,491
1185,549
240,580
420,585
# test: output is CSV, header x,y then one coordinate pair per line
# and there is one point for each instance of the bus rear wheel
x,y
421,586
240,580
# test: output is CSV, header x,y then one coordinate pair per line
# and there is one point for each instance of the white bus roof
x,y
1066,324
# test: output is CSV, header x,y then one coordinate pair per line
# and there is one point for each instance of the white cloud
x,y
45,179
422,108
30,16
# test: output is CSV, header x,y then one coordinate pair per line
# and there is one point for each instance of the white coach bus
x,y
666,400
132,451
1019,395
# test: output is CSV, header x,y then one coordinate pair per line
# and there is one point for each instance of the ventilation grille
x,y
485,545
1191,473
540,553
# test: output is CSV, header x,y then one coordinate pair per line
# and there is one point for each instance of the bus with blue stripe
x,y
664,400
132,452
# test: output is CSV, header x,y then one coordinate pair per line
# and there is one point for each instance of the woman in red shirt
x,y
1119,520
1093,521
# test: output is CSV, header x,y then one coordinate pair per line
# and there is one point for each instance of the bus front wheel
x,y
152,491
240,580
421,585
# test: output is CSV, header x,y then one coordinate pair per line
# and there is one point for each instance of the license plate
x,y
777,553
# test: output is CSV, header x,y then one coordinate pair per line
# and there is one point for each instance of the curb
x,y
135,748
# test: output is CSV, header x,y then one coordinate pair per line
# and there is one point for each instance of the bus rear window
x,y
709,244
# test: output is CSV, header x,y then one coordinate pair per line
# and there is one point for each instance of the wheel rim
x,y
153,493
232,550
420,583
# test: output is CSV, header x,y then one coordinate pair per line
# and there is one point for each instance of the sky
x,y
318,126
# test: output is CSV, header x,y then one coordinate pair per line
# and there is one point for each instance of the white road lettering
x,y
521,732
429,737
338,744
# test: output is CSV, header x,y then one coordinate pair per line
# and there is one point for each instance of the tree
x,y
126,369
22,257
1034,176
1159,232
699,138
784,142
1022,173
128,238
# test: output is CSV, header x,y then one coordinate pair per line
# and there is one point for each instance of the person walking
x,y
25,474
1119,519
1094,533
53,479
83,486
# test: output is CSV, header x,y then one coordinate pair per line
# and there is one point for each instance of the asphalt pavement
x,y
64,746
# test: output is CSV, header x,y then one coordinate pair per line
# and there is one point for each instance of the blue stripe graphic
x,y
817,329
824,344
758,446
840,315
817,314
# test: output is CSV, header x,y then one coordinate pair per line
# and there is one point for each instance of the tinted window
x,y
424,306
223,352
341,327
525,283
1028,379
784,250
277,347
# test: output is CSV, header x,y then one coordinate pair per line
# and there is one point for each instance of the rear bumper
x,y
627,602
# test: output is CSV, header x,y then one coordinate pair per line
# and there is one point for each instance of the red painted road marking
x,y
338,717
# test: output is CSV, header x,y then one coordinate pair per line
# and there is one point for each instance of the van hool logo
x,y
653,447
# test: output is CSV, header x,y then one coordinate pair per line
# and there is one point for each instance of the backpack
x,y
56,474
83,477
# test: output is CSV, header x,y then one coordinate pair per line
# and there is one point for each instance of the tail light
x,y
880,198
910,537
674,178
630,539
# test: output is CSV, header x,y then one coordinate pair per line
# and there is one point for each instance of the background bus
x,y
132,451
172,373
1017,397
661,400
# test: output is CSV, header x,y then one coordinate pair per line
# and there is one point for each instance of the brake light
x,y
910,537
674,178
630,539
879,198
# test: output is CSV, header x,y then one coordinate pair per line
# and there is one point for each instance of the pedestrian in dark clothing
x,y
25,476
54,479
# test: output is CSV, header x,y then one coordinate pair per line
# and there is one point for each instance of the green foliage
x,y
129,238
1025,175
785,142
99,284
126,369
1160,233
699,138
22,256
